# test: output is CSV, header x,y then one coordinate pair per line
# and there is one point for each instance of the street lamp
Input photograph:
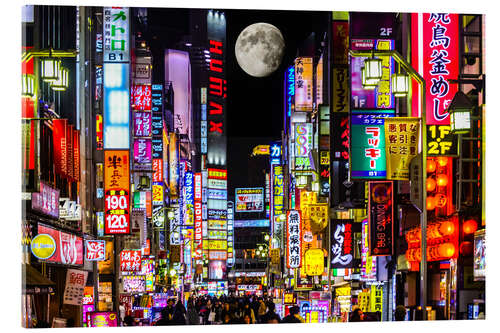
x,y
62,82
373,69
28,85
400,84
50,69
368,84
460,110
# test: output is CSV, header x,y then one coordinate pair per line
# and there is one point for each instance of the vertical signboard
x,y
230,236
342,244
116,192
294,239
141,97
116,28
173,165
401,144
116,106
95,250
368,262
304,84
116,68
142,124
303,138
60,146
435,55
380,217
188,198
368,158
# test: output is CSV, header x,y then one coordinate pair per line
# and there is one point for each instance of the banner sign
x,y
157,147
102,319
401,145
278,190
368,159
340,136
376,298
76,155
197,186
141,97
302,133
303,84
99,144
157,194
435,43
294,239
342,248
340,37
60,146
142,124
69,247
116,192
95,250
142,151
75,284
341,89
380,216
158,218
249,199
130,260
116,34
46,201
157,170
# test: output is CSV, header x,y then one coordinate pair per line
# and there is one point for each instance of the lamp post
x,y
423,191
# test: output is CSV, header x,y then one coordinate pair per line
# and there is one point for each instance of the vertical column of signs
x,y
294,239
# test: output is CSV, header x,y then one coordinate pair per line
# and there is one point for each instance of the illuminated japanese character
x,y
439,36
439,62
439,17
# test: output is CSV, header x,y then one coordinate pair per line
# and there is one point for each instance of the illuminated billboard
x,y
116,192
249,199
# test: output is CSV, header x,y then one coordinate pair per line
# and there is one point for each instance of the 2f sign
x,y
385,32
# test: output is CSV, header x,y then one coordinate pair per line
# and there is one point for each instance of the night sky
x,y
254,105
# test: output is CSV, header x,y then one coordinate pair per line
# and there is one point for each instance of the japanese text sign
x,y
69,247
249,199
75,284
95,250
440,141
314,262
141,97
303,84
294,239
380,216
368,159
401,145
368,263
134,283
142,123
435,56
102,319
116,191
342,246
278,190
157,170
142,151
46,201
130,260
116,34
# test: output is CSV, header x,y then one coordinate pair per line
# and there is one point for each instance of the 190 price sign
x,y
117,213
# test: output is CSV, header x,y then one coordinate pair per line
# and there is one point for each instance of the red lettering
x,y
216,108
216,127
217,87
215,47
214,67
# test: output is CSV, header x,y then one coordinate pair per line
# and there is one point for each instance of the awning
x,y
34,282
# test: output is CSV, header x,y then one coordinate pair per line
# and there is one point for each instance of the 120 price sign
x,y
117,213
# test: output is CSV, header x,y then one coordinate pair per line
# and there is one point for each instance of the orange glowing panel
x,y
430,184
440,200
431,166
470,226
430,203
442,180
442,161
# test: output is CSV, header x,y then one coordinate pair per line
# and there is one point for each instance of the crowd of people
x,y
206,310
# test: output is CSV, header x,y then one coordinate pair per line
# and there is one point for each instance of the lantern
x,y
442,180
470,226
430,184
446,250
62,82
373,69
440,200
27,86
431,166
430,203
442,161
466,248
460,111
50,69
399,85
368,84
446,228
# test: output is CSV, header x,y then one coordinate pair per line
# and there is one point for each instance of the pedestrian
x,y
164,320
293,316
261,310
247,319
270,317
357,315
192,314
128,321
179,317
400,313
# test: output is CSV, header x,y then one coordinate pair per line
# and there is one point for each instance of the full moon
x,y
259,49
